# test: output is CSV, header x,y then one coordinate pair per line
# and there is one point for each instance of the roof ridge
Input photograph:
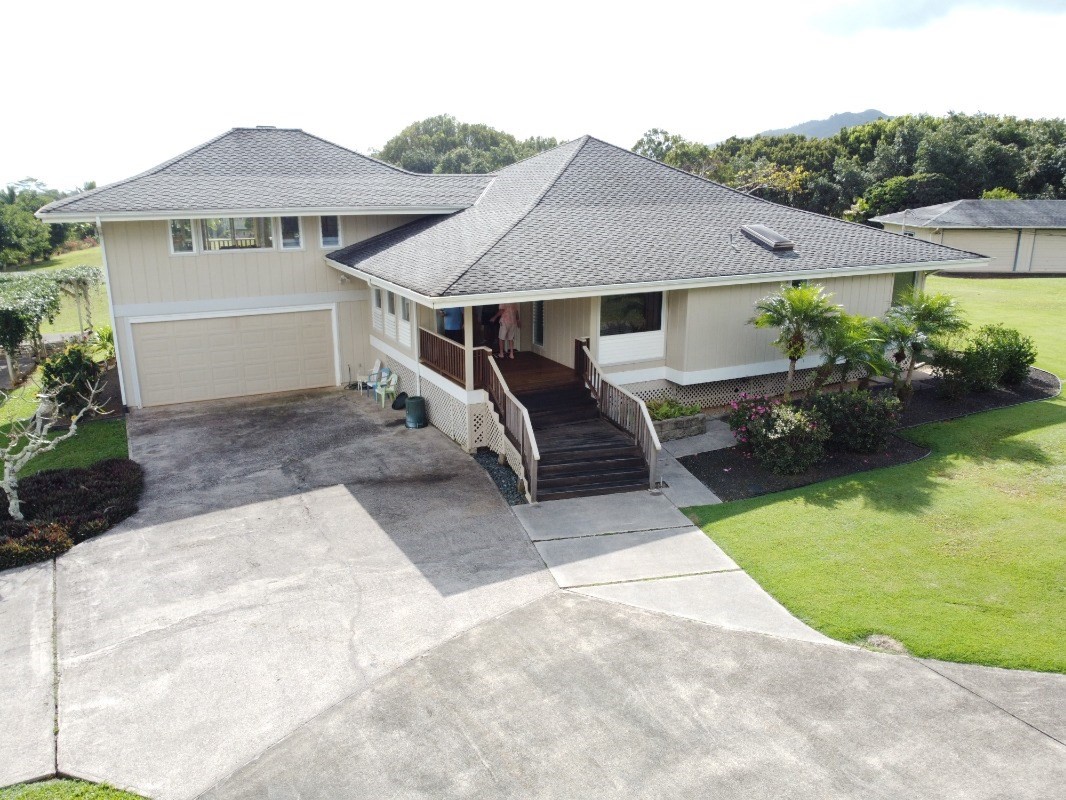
x,y
57,204
526,212
950,207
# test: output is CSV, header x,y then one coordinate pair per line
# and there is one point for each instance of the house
x,y
1019,236
270,260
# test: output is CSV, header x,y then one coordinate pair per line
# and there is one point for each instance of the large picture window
x,y
631,313
237,233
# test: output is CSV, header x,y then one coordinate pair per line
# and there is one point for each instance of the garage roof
x,y
983,214
268,171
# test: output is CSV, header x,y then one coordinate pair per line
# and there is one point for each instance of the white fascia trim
x,y
911,225
651,286
690,378
471,398
133,216
233,305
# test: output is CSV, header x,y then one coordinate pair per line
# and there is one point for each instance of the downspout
x,y
111,306
1017,251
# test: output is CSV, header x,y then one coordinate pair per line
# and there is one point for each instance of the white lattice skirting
x,y
721,393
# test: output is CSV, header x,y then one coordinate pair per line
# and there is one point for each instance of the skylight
x,y
768,238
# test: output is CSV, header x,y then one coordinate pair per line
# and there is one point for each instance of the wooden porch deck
x,y
529,372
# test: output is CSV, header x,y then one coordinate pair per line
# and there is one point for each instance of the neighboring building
x,y
270,260
1020,236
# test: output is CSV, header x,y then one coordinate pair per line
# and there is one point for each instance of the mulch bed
x,y
733,474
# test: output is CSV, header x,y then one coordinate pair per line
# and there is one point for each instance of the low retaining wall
x,y
680,427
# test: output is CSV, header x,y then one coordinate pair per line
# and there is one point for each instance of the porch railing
x,y
513,415
623,408
442,355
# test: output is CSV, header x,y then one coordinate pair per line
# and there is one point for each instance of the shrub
x,y
1014,354
24,543
66,506
671,409
747,410
789,440
858,421
75,370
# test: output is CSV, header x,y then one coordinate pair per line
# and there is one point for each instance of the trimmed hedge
x,y
66,506
994,356
859,421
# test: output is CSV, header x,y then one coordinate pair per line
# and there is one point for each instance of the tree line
x,y
865,170
25,239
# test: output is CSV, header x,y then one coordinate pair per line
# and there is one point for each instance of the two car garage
x,y
209,357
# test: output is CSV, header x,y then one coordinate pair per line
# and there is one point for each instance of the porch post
x,y
594,327
468,369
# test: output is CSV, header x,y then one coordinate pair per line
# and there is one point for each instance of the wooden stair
x,y
581,453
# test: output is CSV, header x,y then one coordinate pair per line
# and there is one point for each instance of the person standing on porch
x,y
509,325
453,323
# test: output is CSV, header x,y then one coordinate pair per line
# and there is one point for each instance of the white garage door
x,y
204,359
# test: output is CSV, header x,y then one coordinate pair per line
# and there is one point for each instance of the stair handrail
x,y
621,406
513,414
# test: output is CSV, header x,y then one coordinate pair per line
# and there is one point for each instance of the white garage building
x,y
1020,236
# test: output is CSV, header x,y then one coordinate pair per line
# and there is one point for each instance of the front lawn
x,y
960,556
67,319
94,441
64,790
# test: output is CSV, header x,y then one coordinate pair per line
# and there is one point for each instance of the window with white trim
x,y
405,309
631,313
390,315
403,334
376,313
236,233
330,231
181,240
290,233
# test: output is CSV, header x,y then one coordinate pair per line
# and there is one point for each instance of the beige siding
x,y
142,270
999,245
676,322
182,361
717,334
1049,251
564,321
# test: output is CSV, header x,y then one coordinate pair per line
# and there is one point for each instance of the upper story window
x,y
290,233
181,236
331,231
236,233
631,313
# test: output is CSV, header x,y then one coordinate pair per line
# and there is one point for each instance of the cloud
x,y
853,17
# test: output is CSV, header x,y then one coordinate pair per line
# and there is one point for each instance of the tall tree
x,y
442,144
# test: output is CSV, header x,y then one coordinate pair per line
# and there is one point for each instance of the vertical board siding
x,y
998,245
1049,252
564,321
717,333
143,270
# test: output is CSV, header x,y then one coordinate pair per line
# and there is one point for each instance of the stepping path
x,y
637,548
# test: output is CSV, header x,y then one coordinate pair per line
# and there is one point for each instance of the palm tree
x,y
846,344
909,328
800,313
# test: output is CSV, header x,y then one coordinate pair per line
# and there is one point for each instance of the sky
x,y
106,90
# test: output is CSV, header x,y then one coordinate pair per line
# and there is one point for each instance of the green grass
x,y
960,556
67,319
94,441
64,790
91,256
22,401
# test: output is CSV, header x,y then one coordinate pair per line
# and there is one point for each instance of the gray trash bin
x,y
416,412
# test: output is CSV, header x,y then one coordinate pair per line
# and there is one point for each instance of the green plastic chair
x,y
386,389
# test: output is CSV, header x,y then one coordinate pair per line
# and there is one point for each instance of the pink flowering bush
x,y
788,440
746,411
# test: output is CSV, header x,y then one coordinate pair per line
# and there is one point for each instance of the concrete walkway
x,y
637,548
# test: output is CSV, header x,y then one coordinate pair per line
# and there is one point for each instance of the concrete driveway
x,y
316,602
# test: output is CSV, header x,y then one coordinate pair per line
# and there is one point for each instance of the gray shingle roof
x,y
591,214
269,169
983,214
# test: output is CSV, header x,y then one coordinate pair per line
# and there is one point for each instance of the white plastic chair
x,y
372,379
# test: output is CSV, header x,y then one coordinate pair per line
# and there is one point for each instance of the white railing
x,y
622,407
515,417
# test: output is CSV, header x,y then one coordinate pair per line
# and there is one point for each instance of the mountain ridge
x,y
822,128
